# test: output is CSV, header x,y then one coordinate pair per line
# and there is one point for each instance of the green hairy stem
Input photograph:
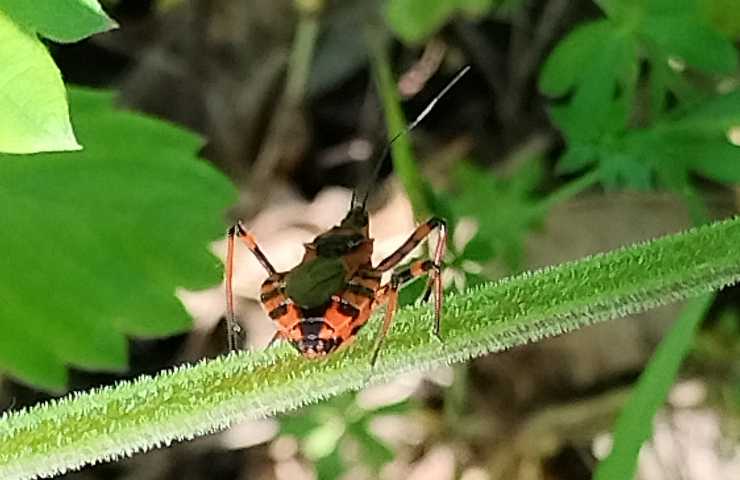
x,y
189,401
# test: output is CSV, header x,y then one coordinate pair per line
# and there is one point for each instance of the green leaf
x,y
625,12
619,170
596,64
404,162
724,15
602,100
413,21
505,210
412,292
712,116
33,104
59,20
564,68
687,37
692,140
96,242
635,422
668,7
719,162
189,401
476,8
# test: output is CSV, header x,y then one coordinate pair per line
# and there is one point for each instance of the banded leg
x,y
389,295
247,238
435,276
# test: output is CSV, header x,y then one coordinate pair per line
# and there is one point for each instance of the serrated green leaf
x,y
692,140
635,423
33,104
98,241
59,20
602,100
597,65
195,400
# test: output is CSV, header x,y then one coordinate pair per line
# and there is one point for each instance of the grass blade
x,y
635,422
194,400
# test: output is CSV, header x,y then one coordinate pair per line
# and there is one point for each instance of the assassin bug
x,y
321,304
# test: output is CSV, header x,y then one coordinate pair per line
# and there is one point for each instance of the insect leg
x,y
435,277
389,295
274,339
421,232
247,238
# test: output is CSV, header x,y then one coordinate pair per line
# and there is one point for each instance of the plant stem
x,y
288,123
571,189
189,401
404,163
301,56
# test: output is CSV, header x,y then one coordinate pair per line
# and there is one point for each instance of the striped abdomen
x,y
320,330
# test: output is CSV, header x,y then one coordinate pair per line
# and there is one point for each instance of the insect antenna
x,y
389,143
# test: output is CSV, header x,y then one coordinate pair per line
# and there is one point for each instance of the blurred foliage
x,y
596,68
59,20
634,103
33,102
643,131
509,212
97,241
415,20
717,350
325,430
724,15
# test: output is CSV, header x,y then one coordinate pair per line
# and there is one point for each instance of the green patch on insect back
x,y
313,283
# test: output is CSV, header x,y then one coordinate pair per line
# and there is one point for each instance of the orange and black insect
x,y
322,303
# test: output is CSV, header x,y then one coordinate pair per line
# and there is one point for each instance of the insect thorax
x,y
313,282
